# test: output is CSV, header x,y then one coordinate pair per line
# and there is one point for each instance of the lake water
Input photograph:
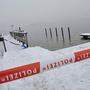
x,y
37,36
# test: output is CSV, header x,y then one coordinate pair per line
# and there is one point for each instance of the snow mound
x,y
71,77
12,45
11,39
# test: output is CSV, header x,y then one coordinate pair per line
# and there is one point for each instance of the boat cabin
x,y
85,35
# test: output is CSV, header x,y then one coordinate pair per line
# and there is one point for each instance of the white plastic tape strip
x,y
57,62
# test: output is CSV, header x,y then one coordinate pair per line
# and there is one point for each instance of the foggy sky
x,y
42,11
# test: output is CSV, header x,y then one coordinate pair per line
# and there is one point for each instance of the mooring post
x,y
46,32
56,33
4,46
27,39
69,34
62,34
2,40
50,32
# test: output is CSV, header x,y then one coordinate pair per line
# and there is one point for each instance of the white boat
x,y
85,35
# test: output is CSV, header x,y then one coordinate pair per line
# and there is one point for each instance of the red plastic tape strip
x,y
19,72
81,55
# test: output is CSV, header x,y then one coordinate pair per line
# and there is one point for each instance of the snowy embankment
x,y
11,43
75,76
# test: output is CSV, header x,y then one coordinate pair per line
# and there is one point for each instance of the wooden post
x,y
4,46
69,34
27,39
46,32
56,33
50,32
2,40
62,34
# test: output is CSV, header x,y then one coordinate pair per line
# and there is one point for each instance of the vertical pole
x,y
2,39
20,29
69,34
46,32
62,34
50,32
26,39
56,33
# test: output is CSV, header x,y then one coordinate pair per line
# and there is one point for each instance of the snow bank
x,y
35,54
11,39
71,77
12,45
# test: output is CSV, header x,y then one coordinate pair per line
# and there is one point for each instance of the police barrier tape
x,y
81,55
19,72
34,68
76,57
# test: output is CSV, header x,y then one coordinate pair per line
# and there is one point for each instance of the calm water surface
x,y
37,36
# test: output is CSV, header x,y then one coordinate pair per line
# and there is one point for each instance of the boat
x,y
85,35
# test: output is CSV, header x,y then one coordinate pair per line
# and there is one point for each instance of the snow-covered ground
x,y
11,43
74,76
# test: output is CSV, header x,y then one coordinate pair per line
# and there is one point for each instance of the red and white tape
x,y
81,55
19,72
37,67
